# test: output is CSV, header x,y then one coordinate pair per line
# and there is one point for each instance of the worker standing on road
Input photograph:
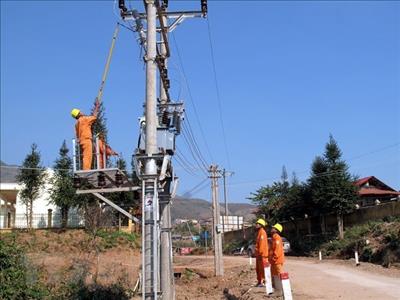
x,y
103,147
261,251
83,129
277,256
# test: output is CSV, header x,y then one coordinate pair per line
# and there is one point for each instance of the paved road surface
x,y
310,280
330,280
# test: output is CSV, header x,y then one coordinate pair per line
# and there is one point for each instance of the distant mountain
x,y
199,209
8,173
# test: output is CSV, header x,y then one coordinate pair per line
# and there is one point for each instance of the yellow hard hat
x,y
261,222
278,227
75,113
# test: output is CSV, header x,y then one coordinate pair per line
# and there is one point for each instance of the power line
x,y
185,168
187,165
325,173
197,186
193,152
374,151
218,93
191,97
186,160
193,142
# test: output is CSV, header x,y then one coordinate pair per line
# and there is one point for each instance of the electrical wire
x,y
197,186
218,93
193,152
183,162
191,96
189,135
186,160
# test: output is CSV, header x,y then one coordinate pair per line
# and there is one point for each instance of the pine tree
x,y
62,192
331,184
99,127
31,178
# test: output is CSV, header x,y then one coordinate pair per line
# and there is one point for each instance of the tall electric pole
x,y
167,280
225,218
150,249
157,174
217,238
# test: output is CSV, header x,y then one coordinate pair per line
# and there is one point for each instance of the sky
x,y
288,73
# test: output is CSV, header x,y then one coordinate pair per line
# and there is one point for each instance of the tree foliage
x,y
331,185
99,127
281,200
329,189
31,178
62,191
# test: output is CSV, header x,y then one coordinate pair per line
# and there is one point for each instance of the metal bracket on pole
x,y
122,211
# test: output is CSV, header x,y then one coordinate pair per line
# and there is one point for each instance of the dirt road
x,y
310,279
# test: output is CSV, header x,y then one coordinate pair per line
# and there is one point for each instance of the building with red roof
x,y
373,191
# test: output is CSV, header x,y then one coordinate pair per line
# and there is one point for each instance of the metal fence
x,y
44,220
76,219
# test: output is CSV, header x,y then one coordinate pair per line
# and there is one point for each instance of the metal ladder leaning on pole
x,y
159,127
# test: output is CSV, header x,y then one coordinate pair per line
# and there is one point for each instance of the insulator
x,y
77,182
167,83
119,180
165,3
101,180
204,6
121,5
165,118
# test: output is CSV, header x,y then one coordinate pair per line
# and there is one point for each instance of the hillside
x,y
188,208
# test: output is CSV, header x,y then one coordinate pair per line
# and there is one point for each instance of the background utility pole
x,y
150,249
166,269
218,259
225,219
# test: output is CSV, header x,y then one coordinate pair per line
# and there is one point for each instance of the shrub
x,y
17,279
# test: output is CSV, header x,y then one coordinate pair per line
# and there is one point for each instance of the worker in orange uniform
x,y
277,256
104,148
261,251
83,128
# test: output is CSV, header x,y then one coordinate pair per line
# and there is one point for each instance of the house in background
x,y
12,210
372,191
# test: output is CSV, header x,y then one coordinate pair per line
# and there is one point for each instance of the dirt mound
x,y
67,258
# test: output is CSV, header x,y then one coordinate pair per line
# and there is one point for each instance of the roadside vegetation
x,y
28,269
328,190
376,242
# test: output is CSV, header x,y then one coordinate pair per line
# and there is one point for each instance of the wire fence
x,y
42,220
76,219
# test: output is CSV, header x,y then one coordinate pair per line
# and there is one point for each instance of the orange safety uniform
x,y
83,129
261,251
277,256
108,151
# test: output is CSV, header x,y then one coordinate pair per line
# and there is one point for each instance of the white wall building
x,y
13,211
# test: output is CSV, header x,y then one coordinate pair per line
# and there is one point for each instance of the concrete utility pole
x,y
218,259
166,269
157,278
150,248
225,219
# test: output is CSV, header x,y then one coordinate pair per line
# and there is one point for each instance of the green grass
x,y
111,239
375,241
